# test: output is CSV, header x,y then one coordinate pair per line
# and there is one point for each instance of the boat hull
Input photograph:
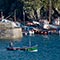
x,y
34,48
13,49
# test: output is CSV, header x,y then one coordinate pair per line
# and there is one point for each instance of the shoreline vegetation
x,y
32,9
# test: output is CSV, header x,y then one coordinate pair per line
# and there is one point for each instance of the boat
x,y
30,49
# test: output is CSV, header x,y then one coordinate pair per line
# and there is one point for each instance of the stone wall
x,y
7,31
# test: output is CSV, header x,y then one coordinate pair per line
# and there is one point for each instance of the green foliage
x,y
30,6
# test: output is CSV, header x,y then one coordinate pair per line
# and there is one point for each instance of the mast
x,y
29,42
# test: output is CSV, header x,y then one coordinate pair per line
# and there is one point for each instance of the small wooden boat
x,y
30,49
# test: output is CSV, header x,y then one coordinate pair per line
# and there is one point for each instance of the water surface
x,y
48,48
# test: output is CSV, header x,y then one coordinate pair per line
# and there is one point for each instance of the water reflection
x,y
47,46
45,37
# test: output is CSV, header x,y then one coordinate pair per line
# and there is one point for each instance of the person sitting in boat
x,y
11,45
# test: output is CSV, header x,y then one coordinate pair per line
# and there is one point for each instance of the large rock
x,y
8,31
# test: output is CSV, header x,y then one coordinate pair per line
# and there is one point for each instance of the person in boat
x,y
11,44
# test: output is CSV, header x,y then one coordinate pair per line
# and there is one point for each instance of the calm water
x,y
48,48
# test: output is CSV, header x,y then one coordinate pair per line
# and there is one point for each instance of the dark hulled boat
x,y
30,49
